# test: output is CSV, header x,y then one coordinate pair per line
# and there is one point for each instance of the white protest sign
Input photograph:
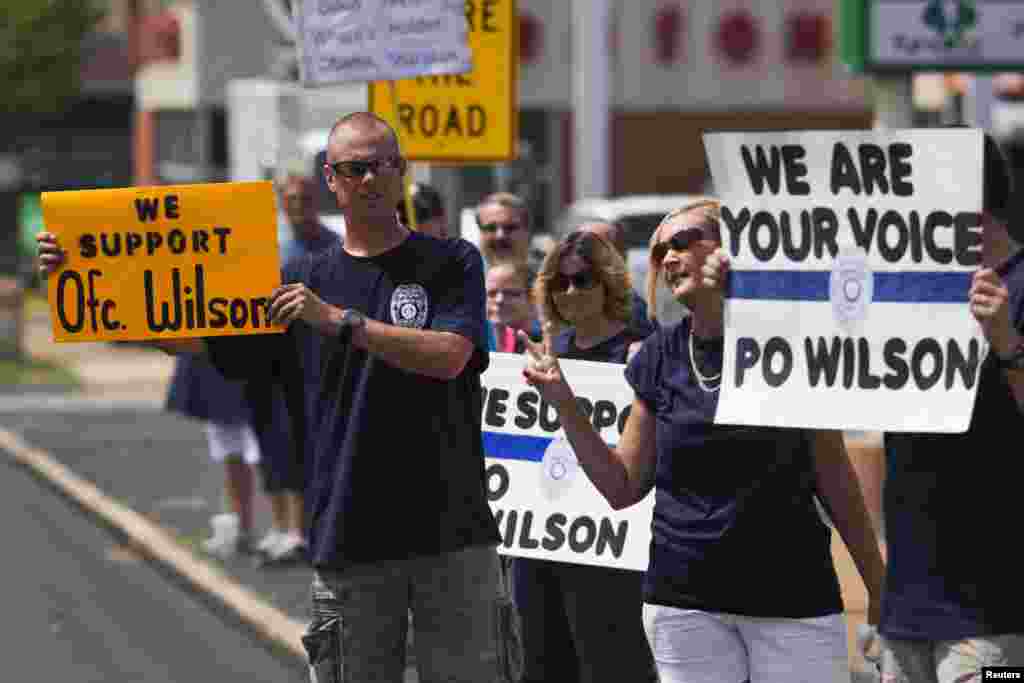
x,y
852,255
544,504
381,40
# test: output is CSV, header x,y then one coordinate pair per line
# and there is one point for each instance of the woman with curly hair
x,y
582,622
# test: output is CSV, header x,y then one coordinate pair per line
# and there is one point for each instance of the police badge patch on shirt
x,y
409,306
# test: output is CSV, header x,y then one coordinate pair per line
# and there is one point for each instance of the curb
x,y
231,599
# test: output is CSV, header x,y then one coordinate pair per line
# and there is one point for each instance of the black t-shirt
x,y
735,527
395,464
952,504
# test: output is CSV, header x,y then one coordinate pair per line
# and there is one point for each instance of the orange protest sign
x,y
163,262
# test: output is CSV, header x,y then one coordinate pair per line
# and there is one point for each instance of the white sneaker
x,y
269,543
227,540
291,548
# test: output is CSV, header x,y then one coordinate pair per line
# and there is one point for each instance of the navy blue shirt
x,y
641,324
735,528
615,349
952,506
395,462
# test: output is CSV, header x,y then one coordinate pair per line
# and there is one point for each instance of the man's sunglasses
x,y
585,279
493,227
359,168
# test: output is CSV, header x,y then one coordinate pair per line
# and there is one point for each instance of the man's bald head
x,y
360,126
611,231
363,169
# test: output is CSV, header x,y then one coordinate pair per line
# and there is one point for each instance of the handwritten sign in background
x,y
168,261
380,40
469,117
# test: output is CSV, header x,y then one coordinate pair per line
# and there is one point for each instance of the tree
x,y
41,52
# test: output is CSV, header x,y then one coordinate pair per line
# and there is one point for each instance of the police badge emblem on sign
x,y
558,469
409,306
851,288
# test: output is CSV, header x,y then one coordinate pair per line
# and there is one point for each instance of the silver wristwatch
x,y
353,319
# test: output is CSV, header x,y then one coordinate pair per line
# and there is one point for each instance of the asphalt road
x,y
79,606
68,582
157,464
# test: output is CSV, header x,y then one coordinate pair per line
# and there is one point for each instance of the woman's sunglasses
x,y
681,241
585,279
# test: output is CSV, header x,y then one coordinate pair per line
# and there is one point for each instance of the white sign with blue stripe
x,y
544,504
852,254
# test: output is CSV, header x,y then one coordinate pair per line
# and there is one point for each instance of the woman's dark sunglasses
x,y
681,241
585,279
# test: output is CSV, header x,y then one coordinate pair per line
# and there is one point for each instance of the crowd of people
x,y
370,404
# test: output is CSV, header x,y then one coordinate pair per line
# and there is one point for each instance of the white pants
x,y
225,440
692,646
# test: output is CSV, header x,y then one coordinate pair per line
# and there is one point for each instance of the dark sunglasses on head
x,y
493,227
359,168
585,279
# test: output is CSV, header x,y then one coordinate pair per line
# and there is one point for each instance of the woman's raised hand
x,y
542,371
715,270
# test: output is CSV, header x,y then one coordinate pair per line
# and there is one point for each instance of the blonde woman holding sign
x,y
740,584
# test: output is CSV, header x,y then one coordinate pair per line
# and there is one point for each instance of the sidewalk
x,y
176,487
121,372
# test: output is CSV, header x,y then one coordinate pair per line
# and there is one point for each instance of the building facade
x,y
677,69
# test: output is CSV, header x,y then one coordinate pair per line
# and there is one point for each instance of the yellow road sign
x,y
159,262
471,117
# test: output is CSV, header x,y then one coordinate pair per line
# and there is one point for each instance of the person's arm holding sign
x,y
837,481
990,305
623,474
441,352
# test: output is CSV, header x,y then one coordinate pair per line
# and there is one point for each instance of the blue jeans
x,y
580,623
361,619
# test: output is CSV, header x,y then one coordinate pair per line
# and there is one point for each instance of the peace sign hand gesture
x,y
542,371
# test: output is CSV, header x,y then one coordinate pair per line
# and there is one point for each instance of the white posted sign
x,y
946,33
381,40
852,258
543,502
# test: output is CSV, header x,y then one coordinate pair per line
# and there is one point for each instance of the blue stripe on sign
x,y
776,285
933,288
515,446
904,288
